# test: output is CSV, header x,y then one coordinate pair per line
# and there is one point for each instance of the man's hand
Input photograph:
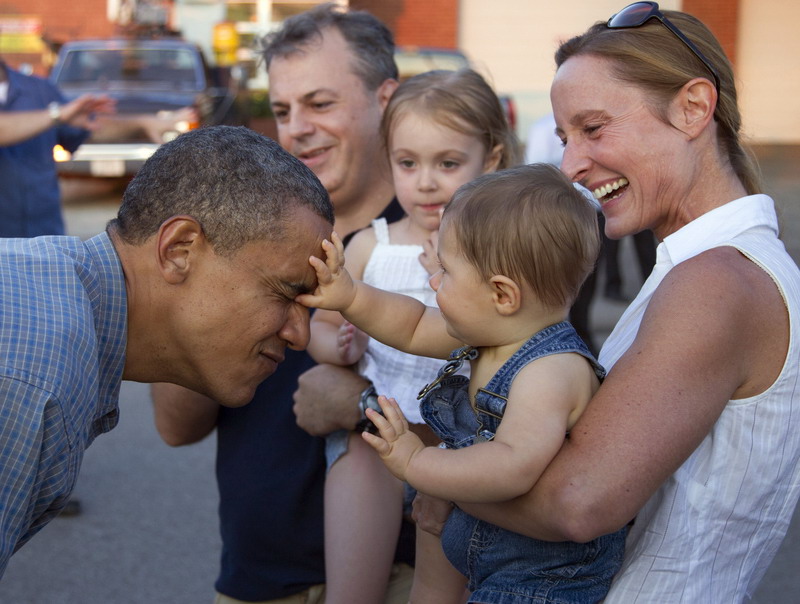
x,y
158,126
327,399
82,111
396,445
335,288
352,343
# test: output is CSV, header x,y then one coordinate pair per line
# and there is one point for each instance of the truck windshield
x,y
136,67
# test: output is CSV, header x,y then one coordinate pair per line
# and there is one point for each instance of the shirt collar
x,y
719,225
110,303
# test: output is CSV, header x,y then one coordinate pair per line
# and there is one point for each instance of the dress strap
x,y
381,228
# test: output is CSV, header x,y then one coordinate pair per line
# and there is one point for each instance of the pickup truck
x,y
147,76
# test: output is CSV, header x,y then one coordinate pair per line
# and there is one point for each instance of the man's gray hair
x,y
239,185
370,40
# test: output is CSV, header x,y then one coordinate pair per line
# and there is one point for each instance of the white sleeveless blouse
x,y
711,530
396,268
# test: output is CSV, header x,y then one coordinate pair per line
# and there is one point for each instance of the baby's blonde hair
x,y
461,100
530,224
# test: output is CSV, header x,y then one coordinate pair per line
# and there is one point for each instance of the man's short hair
x,y
370,41
530,224
239,185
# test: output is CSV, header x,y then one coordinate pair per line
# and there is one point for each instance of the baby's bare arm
x,y
396,320
530,435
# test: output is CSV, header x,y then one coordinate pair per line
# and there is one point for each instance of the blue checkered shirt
x,y
63,322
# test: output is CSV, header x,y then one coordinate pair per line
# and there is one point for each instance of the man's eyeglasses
x,y
639,13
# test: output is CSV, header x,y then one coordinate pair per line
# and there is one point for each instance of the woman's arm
x,y
716,329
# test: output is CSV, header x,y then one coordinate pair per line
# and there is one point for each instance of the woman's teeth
x,y
601,192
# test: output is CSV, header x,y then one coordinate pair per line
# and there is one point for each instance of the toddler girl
x,y
441,129
514,248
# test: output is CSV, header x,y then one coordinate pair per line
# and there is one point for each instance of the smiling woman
x,y
697,423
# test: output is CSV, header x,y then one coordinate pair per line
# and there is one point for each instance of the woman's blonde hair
x,y
530,224
654,59
461,100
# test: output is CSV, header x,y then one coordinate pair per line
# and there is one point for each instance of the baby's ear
x,y
506,294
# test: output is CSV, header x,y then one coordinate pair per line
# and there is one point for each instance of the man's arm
x,y
110,128
327,399
19,126
182,416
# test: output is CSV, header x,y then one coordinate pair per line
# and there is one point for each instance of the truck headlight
x,y
61,154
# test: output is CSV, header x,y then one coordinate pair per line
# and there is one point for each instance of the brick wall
x,y
721,17
386,10
61,21
428,23
417,22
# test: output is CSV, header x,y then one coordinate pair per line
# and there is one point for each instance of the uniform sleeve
x,y
69,137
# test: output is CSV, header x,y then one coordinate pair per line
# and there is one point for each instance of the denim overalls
x,y
504,567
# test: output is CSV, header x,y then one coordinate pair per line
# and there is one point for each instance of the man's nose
x,y
295,330
298,124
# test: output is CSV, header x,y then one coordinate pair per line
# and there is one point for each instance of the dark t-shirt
x,y
271,475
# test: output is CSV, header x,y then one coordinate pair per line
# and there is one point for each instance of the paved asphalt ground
x,y
149,532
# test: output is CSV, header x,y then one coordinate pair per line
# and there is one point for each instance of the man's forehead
x,y
329,52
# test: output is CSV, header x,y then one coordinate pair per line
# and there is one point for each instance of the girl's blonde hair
x,y
461,100
530,224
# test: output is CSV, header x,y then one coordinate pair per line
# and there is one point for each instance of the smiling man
x,y
328,96
193,283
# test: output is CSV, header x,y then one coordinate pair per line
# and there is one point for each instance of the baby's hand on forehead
x,y
335,288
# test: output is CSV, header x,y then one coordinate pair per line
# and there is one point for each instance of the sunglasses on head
x,y
639,13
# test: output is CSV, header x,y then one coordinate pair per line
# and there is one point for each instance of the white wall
x,y
768,69
512,43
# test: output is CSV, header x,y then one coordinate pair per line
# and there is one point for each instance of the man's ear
x,y
385,91
493,159
506,295
693,107
178,243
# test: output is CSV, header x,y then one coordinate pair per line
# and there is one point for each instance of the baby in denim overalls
x,y
514,247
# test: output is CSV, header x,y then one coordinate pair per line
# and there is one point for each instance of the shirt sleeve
x,y
69,137
37,465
